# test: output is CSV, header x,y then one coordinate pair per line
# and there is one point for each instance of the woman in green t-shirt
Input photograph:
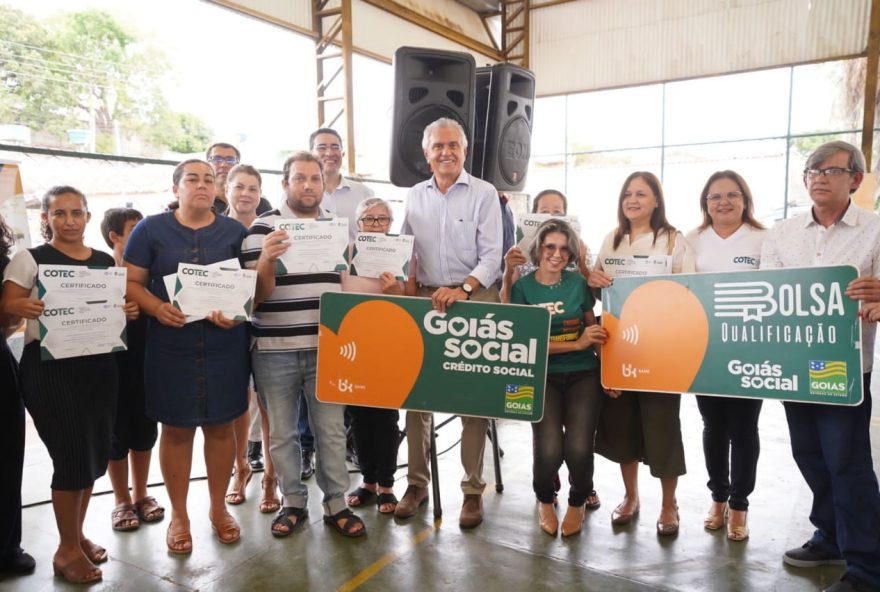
x,y
573,397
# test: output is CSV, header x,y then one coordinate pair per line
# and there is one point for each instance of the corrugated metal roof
x,y
593,44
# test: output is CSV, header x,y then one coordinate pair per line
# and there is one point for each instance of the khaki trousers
x,y
473,433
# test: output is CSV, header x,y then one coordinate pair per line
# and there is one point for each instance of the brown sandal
x,y
95,553
236,494
78,571
124,518
270,502
228,531
149,510
180,543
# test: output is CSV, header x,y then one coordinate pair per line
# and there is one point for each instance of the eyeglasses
x,y
829,172
226,159
730,195
552,248
330,147
376,220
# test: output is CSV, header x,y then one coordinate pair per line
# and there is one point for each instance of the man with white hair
x,y
456,221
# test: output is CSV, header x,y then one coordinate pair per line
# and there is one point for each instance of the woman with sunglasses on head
x,y
376,432
573,397
643,426
516,264
729,239
196,372
71,400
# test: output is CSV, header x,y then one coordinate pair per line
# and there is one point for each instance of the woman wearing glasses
x,y
375,430
641,425
573,397
729,239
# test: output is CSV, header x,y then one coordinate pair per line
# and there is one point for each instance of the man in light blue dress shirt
x,y
456,221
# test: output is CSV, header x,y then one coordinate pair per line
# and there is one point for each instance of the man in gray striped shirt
x,y
284,353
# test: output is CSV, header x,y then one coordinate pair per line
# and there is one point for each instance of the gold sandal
x,y
236,494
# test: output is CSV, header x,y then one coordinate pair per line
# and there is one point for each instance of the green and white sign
x,y
787,334
476,359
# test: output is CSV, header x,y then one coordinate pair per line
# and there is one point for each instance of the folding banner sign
x,y
787,334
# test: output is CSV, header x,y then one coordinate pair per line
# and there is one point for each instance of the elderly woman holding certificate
x,y
376,432
574,397
196,372
640,425
729,239
72,400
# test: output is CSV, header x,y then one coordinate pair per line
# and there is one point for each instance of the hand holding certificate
x,y
375,253
527,227
315,245
200,290
83,310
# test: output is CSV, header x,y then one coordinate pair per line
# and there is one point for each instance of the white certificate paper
x,y
637,266
199,290
375,253
527,227
170,279
315,245
83,311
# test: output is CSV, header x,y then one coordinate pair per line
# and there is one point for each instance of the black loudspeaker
x,y
428,84
505,103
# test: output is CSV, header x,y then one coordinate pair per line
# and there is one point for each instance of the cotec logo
x,y
57,312
66,273
197,272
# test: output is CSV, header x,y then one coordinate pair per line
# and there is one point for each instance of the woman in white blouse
x,y
642,426
729,239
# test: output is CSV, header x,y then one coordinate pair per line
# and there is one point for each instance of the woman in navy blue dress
x,y
196,374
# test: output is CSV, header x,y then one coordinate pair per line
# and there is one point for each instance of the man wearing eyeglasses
x,y
831,444
341,195
222,157
456,222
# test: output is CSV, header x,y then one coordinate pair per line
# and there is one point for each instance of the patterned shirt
x,y
288,319
853,240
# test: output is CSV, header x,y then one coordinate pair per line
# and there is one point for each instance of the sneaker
x,y
809,556
255,455
849,583
308,465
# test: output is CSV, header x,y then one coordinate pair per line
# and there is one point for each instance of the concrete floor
x,y
508,552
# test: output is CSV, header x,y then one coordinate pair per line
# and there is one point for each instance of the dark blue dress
x,y
196,375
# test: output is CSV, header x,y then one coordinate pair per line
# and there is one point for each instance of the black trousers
x,y
376,438
731,445
11,454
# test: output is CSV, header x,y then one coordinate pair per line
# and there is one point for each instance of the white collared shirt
x,y
853,240
458,234
343,202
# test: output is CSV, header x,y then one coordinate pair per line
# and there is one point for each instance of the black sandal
x,y
596,504
387,498
347,527
364,496
301,514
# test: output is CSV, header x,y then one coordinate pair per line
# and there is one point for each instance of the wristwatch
x,y
468,290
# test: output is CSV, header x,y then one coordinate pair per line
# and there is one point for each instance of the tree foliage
x,y
86,70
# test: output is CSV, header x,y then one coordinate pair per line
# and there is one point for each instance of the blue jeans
x,y
281,376
306,439
832,447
